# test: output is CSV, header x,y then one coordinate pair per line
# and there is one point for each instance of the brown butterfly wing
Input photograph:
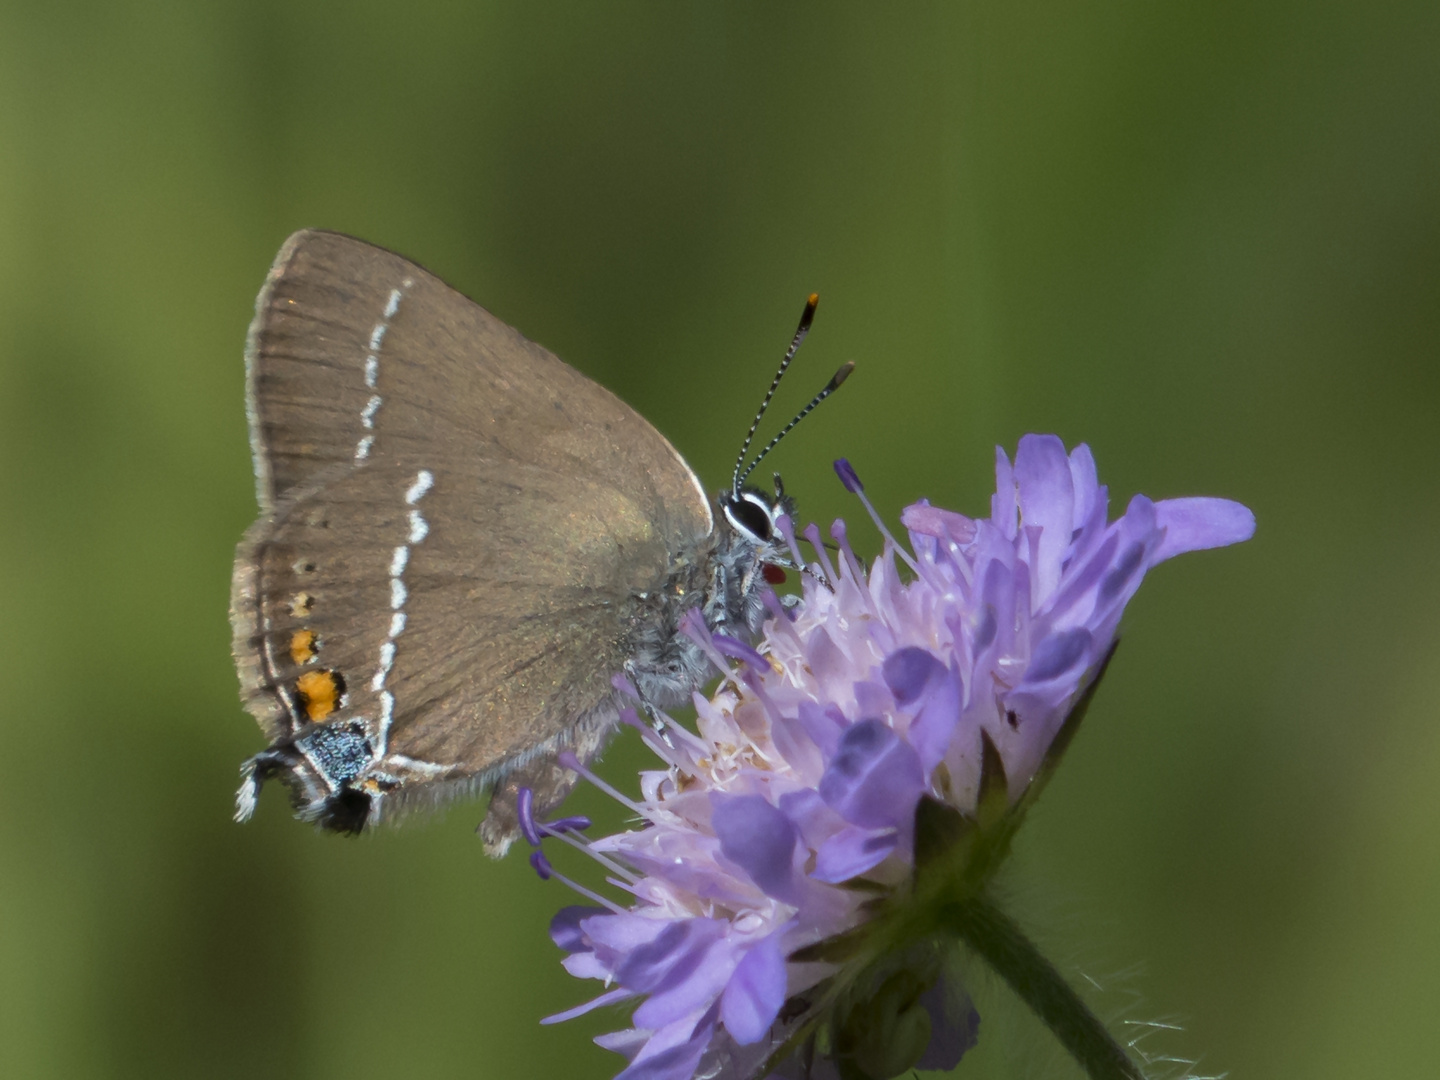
x,y
455,523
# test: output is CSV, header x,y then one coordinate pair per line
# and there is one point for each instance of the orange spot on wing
x,y
302,646
319,693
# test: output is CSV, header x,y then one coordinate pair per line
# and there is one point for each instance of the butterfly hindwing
x,y
459,532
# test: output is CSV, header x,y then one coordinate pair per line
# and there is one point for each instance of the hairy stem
x,y
1003,945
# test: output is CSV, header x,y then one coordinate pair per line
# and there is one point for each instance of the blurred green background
x,y
1203,238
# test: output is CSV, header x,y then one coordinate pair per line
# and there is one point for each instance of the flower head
x,y
860,770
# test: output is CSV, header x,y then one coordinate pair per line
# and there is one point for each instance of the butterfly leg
x,y
718,602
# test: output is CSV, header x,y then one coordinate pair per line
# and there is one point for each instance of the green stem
x,y
1004,946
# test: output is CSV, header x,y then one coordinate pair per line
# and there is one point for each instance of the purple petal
x,y
621,934
824,726
672,1063
686,861
998,589
1086,484
696,981
1120,576
954,1026
794,744
540,864
1131,545
756,990
851,852
670,956
1075,600
1003,508
813,820
738,650
587,965
671,1053
908,671
932,728
626,1042
1139,517
985,630
1058,654
872,698
824,657
758,838
1091,503
930,520
874,780
1196,524
610,997
846,472
565,927
1047,499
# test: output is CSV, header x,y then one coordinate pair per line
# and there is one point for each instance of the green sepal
x,y
939,828
834,950
993,799
882,1032
1058,745
864,885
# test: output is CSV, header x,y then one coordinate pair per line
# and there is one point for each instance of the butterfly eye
x,y
750,517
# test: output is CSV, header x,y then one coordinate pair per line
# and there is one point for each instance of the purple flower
x,y
772,889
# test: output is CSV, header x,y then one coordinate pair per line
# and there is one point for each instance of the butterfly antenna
x,y
806,318
830,387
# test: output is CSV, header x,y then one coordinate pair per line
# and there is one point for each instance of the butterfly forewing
x,y
456,528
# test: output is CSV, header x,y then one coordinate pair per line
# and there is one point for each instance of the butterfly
x,y
462,542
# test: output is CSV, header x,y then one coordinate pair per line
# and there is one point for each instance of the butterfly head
x,y
754,515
